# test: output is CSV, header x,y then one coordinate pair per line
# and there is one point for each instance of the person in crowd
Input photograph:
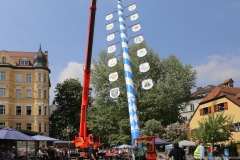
x,y
58,154
96,151
139,153
42,154
177,153
92,153
199,151
2,152
215,152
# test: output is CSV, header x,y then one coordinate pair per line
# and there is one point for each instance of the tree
x,y
176,132
151,128
214,128
68,100
173,82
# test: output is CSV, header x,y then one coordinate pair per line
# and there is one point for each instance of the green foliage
x,y
173,82
151,128
68,101
214,128
176,132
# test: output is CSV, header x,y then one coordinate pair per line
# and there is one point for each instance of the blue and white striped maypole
x,y
132,106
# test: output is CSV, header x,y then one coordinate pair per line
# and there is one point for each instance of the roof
x,y
228,80
204,90
17,55
228,92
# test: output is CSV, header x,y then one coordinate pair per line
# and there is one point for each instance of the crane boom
x,y
83,140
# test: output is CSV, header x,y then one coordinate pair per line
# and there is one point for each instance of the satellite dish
x,y
109,26
138,39
144,67
136,28
113,76
141,52
114,93
112,62
108,17
134,17
110,37
147,84
132,7
111,49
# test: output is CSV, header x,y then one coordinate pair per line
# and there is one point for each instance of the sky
x,y
205,34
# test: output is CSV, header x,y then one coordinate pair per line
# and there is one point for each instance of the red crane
x,y
83,140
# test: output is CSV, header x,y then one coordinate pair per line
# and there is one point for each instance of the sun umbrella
x,y
124,146
44,138
12,134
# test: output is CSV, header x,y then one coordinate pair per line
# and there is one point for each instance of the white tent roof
x,y
181,144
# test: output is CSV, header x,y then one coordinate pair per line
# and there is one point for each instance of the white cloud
x,y
73,70
218,68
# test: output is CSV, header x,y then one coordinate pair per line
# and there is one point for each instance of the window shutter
x,y
225,106
216,108
19,78
209,109
201,112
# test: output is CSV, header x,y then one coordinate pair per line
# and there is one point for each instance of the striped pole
x,y
132,106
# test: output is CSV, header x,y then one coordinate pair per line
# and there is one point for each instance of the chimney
x,y
199,88
228,83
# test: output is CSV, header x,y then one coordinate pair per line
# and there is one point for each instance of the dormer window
x,y
24,62
3,59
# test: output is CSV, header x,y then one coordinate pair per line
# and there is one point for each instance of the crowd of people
x,y
51,153
10,153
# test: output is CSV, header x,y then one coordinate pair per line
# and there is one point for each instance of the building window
x,y
28,93
2,109
192,107
2,123
39,127
39,110
3,76
45,78
29,126
3,59
45,128
29,78
39,77
18,77
18,110
45,110
18,126
237,127
184,119
39,93
221,107
18,93
183,108
45,94
28,110
2,92
205,111
24,62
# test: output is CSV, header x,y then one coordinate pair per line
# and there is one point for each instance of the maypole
x,y
132,105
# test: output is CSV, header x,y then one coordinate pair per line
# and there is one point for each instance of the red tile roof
x,y
16,56
228,92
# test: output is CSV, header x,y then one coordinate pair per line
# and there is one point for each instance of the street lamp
x,y
68,131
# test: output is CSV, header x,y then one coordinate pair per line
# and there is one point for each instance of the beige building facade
x,y
24,90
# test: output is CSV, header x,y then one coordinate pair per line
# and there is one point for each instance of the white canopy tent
x,y
124,146
181,144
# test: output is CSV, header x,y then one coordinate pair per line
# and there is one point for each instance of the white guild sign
x,y
141,52
114,93
108,17
113,76
111,49
136,28
147,84
134,17
138,39
112,62
144,67
109,26
132,7
110,37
